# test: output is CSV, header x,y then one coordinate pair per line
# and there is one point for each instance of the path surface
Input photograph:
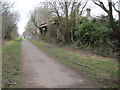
x,y
40,70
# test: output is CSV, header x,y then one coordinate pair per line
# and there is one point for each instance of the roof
x,y
46,24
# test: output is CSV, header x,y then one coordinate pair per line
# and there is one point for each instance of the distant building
x,y
27,34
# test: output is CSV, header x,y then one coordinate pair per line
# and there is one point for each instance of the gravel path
x,y
40,70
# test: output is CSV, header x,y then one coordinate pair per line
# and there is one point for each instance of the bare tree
x,y
30,27
70,10
9,20
40,16
62,12
5,6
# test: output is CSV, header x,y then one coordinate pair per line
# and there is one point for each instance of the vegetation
x,y
92,35
59,12
9,21
63,23
96,36
115,26
100,35
11,53
103,72
0,67
70,27
11,64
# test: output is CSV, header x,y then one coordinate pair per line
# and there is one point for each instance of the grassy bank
x,y
11,64
103,72
0,66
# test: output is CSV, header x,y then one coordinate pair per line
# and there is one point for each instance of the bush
x,y
88,34
95,35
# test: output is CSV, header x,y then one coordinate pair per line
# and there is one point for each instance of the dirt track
x,y
40,70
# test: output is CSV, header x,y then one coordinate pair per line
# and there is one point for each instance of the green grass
x,y
0,66
11,64
103,72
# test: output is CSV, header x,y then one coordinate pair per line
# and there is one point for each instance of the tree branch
x,y
115,7
83,8
101,5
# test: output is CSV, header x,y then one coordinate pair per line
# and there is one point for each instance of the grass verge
x,y
0,67
11,64
103,72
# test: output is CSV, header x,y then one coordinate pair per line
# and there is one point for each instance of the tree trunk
x,y
72,36
66,10
117,32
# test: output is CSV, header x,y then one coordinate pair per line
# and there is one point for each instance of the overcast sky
x,y
24,7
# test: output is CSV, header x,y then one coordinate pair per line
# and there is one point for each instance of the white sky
x,y
24,7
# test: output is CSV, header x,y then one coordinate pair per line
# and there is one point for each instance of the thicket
x,y
100,35
95,35
9,21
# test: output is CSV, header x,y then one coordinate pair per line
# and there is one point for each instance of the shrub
x,y
88,34
95,35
